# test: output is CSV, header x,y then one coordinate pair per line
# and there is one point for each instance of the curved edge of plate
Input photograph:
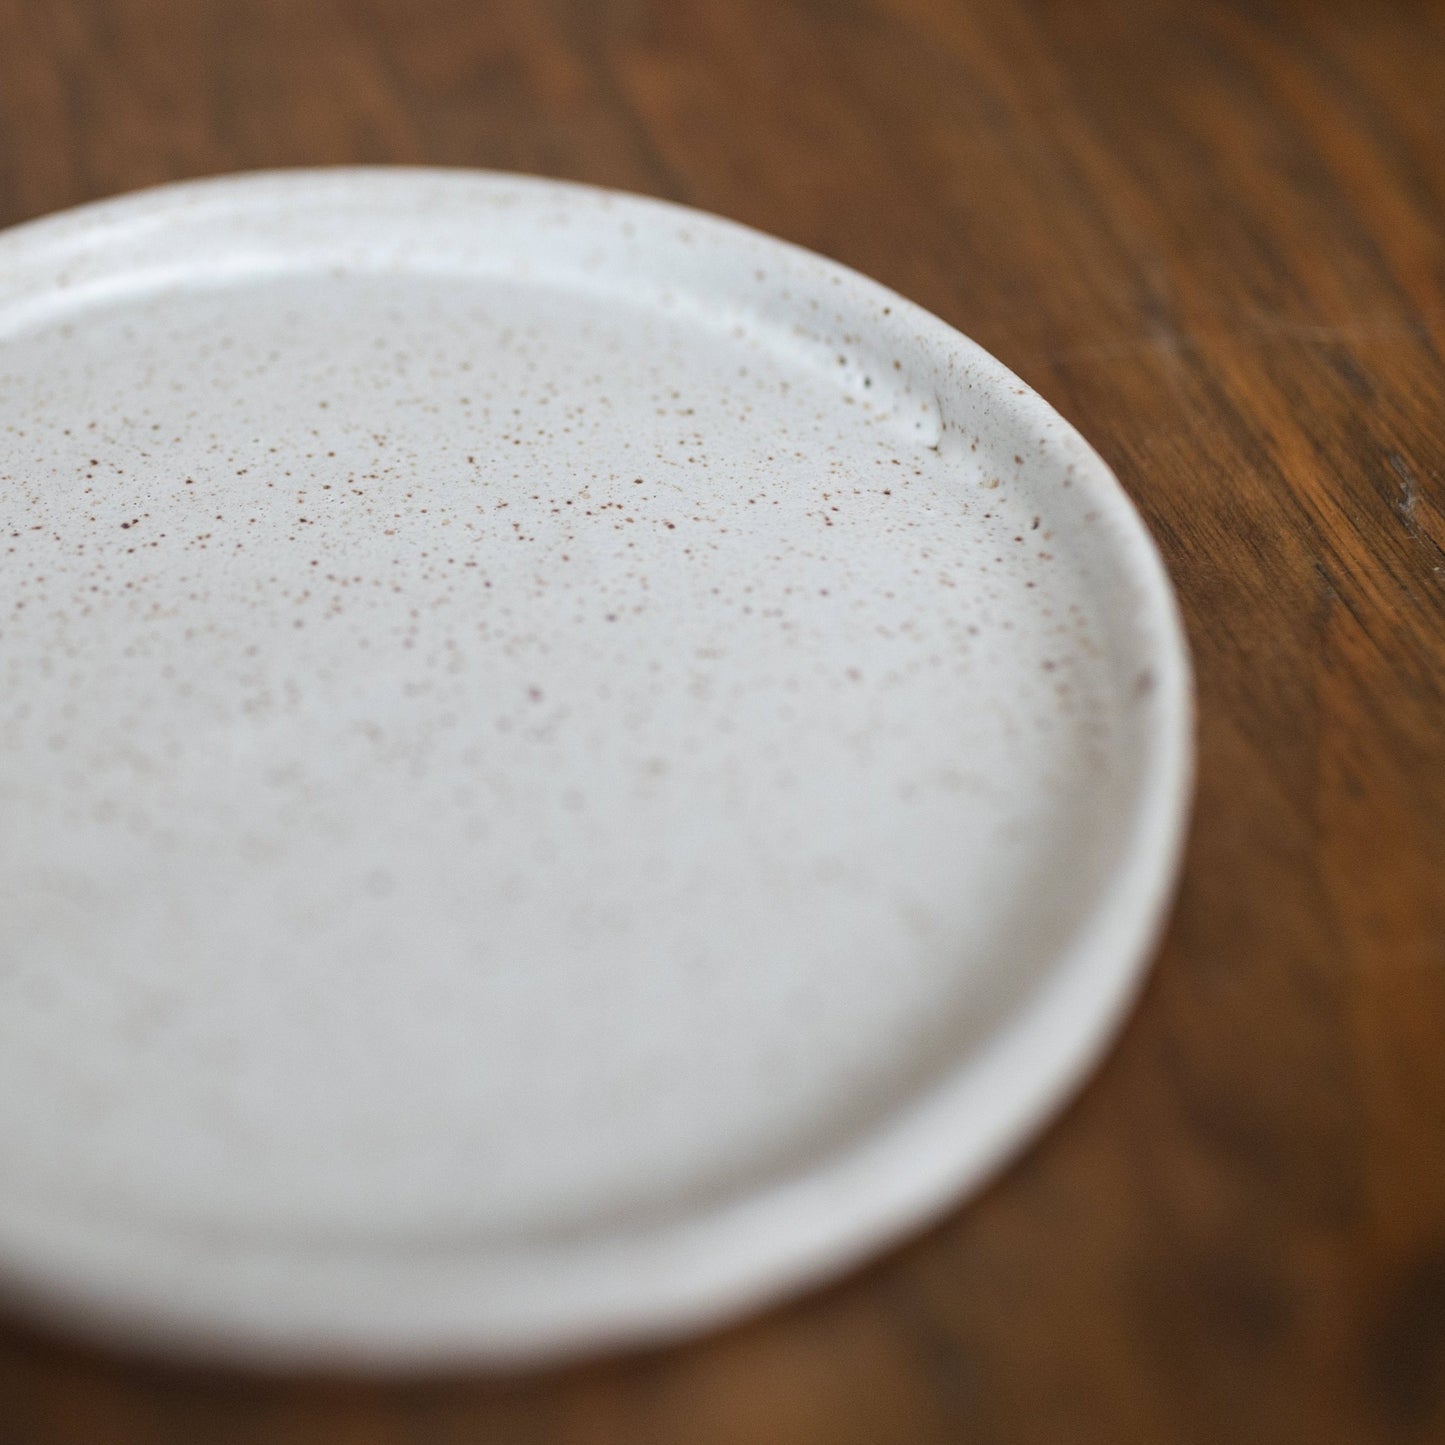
x,y
439,1311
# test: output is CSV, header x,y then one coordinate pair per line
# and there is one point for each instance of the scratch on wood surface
x,y
1405,505
1409,490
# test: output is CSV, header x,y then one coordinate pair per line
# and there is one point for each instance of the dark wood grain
x,y
1214,237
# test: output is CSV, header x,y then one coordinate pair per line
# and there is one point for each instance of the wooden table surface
x,y
1214,238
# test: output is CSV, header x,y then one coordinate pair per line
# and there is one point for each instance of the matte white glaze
x,y
565,767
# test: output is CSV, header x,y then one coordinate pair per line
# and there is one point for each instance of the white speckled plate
x,y
566,769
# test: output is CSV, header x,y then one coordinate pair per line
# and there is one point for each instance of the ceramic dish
x,y
567,769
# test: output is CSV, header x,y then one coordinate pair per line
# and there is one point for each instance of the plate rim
x,y
790,1236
